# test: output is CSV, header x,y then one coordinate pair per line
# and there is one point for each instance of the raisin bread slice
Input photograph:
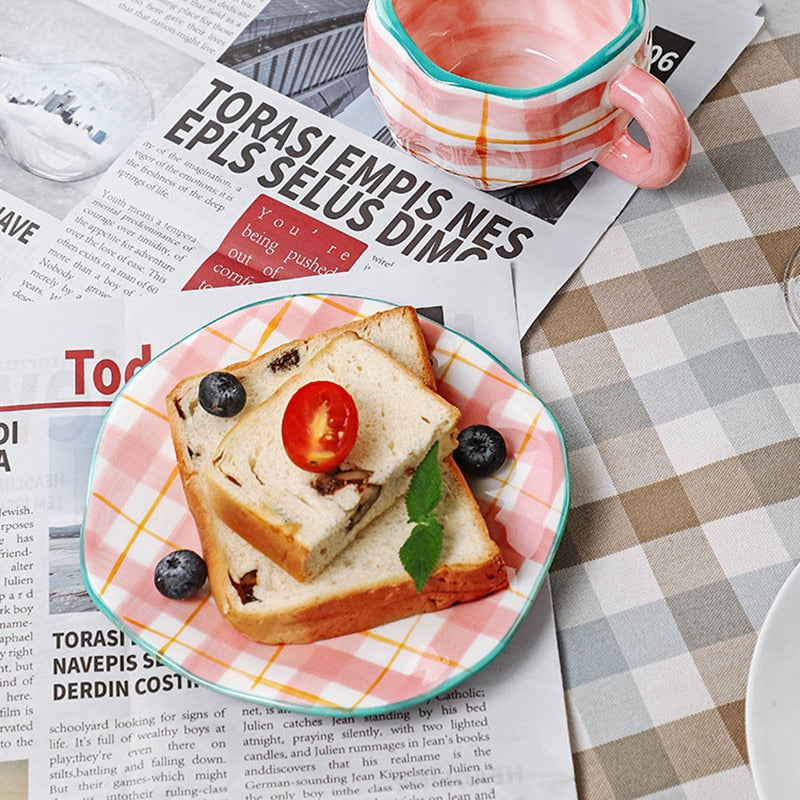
x,y
302,520
364,586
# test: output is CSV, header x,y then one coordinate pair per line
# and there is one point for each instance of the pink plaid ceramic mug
x,y
516,92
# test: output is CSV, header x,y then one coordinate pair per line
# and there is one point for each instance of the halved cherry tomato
x,y
319,426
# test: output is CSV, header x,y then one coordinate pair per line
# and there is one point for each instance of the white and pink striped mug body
x,y
515,92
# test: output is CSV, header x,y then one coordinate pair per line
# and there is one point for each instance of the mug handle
x,y
656,110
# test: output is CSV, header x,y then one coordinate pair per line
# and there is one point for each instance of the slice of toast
x,y
366,584
302,520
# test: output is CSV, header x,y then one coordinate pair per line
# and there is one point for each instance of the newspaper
x,y
86,714
233,171
234,175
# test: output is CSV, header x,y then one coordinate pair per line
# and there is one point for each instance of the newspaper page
x,y
246,148
87,714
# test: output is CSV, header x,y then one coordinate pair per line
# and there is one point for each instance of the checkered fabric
x,y
673,365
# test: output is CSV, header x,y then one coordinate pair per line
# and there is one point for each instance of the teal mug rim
x,y
629,34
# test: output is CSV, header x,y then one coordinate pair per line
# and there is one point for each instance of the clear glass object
x,y
791,286
69,121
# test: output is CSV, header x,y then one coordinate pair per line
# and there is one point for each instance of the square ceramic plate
x,y
136,513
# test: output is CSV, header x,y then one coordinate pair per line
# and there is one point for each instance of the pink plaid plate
x,y
136,513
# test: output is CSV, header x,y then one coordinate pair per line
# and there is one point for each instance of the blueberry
x,y
180,574
221,394
481,450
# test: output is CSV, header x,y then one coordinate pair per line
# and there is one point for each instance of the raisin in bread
x,y
302,520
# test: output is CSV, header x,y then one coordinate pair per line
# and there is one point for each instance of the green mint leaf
x,y
425,489
420,552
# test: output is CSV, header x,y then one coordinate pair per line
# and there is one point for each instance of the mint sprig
x,y
421,550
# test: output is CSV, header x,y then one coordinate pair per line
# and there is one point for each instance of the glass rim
x,y
631,31
791,286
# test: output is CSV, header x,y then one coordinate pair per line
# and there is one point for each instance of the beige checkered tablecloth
x,y
674,368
